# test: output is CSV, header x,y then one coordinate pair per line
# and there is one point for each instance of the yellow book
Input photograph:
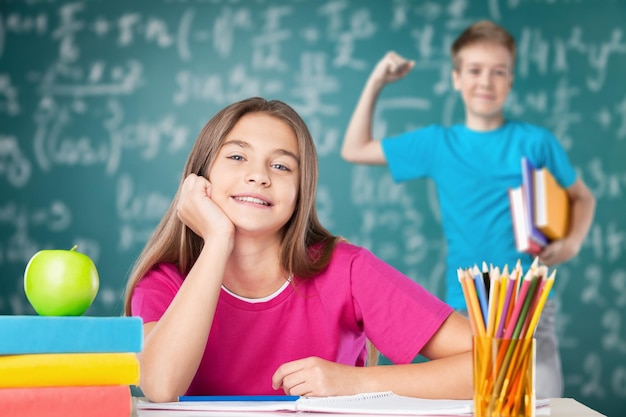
x,y
68,369
551,205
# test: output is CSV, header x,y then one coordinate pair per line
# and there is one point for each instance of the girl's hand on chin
x,y
199,212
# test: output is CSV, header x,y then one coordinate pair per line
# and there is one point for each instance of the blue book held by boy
x,y
64,334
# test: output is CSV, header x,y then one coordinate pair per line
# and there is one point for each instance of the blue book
x,y
64,334
529,196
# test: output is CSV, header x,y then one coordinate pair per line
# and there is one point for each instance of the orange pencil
x,y
473,306
470,314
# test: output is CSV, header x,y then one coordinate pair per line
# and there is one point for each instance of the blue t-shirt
x,y
472,172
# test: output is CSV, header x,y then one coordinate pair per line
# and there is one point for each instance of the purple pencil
x,y
506,305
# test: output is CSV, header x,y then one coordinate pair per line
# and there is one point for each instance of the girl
x,y
243,291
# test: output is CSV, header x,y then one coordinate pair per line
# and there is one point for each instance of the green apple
x,y
60,282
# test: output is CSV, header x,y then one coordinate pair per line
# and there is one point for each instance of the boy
x,y
473,165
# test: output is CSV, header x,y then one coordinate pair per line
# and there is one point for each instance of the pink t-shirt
x,y
329,316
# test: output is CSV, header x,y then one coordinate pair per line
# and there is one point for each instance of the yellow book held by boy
x,y
68,369
551,205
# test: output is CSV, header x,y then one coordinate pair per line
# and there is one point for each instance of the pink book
x,y
523,242
68,401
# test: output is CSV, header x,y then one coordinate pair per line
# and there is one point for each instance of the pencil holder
x,y
504,377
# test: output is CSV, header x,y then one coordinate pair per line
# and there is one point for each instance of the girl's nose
x,y
258,176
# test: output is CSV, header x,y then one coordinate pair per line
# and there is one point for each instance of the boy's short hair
x,y
481,31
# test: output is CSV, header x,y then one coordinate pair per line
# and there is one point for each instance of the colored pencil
x,y
528,298
486,279
494,297
519,301
470,314
473,302
542,301
543,272
517,273
504,279
481,291
508,301
504,319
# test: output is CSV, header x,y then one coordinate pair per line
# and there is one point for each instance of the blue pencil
x,y
482,292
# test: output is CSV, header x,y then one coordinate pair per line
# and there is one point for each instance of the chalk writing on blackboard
x,y
100,103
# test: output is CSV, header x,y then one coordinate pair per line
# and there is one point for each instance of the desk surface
x,y
569,407
559,407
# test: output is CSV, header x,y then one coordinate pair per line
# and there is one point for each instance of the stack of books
x,y
539,209
57,366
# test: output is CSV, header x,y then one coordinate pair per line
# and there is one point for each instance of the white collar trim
x,y
259,300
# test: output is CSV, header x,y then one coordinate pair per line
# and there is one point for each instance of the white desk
x,y
569,407
559,407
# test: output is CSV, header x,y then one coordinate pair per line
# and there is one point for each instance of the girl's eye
x,y
281,167
235,157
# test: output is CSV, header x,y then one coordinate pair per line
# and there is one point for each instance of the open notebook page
x,y
379,403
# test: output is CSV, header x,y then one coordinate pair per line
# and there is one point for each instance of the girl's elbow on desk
x,y
160,390
159,385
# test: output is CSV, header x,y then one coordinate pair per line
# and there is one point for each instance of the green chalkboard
x,y
100,102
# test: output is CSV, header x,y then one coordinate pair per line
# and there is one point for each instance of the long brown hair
x,y
306,247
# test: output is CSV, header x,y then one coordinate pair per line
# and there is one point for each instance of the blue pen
x,y
238,398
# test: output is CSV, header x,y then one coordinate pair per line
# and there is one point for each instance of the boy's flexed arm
x,y
359,146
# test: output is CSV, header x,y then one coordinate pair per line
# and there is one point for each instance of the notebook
x,y
368,403
376,403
